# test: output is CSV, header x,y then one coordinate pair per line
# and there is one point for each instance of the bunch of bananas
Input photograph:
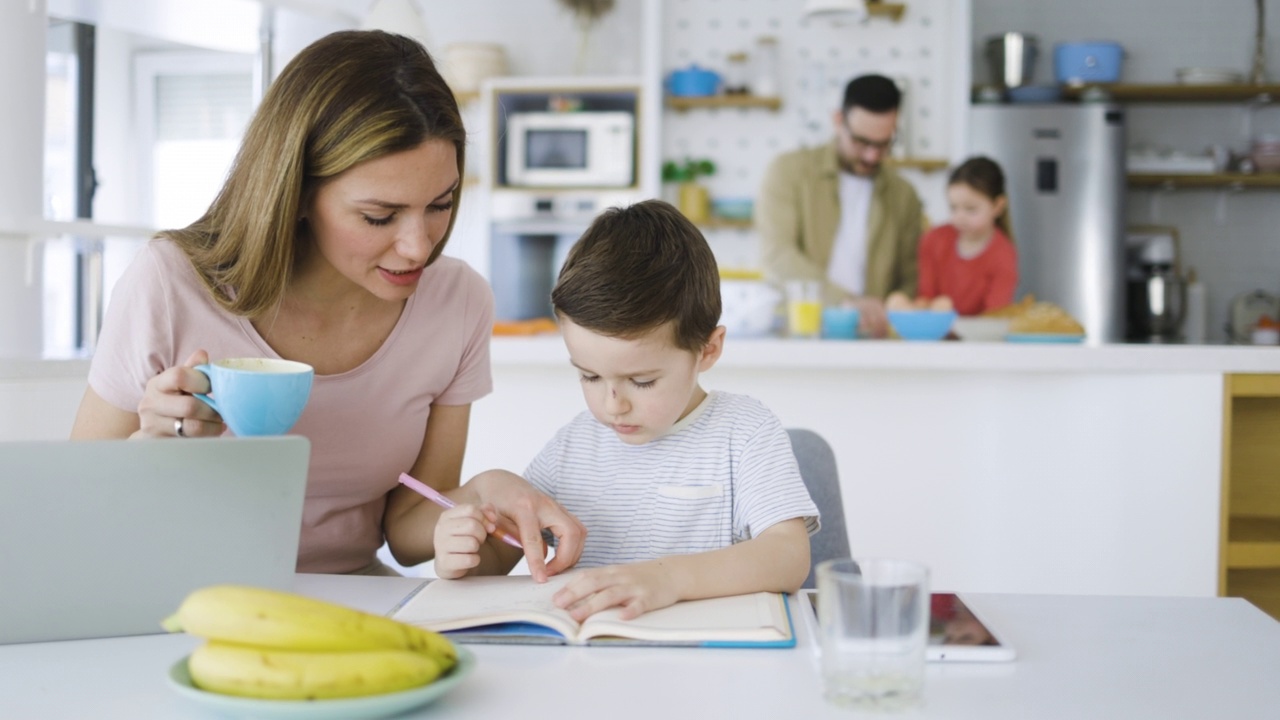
x,y
270,644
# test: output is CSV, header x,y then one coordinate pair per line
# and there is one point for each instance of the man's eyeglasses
x,y
868,144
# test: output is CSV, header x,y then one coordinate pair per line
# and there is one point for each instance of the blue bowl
x,y
1035,94
840,323
921,324
733,208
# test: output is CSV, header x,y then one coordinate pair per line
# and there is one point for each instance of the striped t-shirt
x,y
723,475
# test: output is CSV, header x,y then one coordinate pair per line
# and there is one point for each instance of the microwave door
x,y
585,149
555,150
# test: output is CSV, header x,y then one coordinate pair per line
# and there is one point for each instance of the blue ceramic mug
x,y
840,323
258,396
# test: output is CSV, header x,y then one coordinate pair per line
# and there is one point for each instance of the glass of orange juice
x,y
804,308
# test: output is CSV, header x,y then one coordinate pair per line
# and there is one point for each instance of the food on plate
x,y
1029,316
270,644
941,303
1045,318
899,300
258,672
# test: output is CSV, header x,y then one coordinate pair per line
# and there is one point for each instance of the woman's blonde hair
x,y
348,98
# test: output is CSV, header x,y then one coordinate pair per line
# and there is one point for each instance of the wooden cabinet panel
x,y
1250,552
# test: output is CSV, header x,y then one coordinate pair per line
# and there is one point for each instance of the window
x,y
167,121
192,110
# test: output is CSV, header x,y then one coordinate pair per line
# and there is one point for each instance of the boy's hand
x,y
637,588
460,532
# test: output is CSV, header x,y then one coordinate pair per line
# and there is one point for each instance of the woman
x,y
324,247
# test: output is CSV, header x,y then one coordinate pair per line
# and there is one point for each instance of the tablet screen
x,y
955,632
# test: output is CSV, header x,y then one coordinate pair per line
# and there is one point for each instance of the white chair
x,y
818,469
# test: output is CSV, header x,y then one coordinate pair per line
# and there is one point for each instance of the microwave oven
x,y
571,149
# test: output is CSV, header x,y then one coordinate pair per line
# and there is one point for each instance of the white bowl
x,y
981,329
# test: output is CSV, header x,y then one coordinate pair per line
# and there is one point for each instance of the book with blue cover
x,y
513,609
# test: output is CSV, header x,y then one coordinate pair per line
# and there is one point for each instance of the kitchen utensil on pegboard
x,y
765,67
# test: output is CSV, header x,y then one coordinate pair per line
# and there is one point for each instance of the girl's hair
x,y
985,176
348,98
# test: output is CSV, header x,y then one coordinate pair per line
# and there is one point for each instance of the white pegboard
x,y
815,59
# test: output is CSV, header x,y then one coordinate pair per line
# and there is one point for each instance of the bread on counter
x,y
1029,316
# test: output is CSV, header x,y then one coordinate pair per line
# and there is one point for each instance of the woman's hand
x,y
636,588
169,409
531,511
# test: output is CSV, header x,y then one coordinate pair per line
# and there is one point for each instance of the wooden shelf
x,y
1174,93
723,101
893,11
923,164
719,223
1229,181
1252,385
1254,543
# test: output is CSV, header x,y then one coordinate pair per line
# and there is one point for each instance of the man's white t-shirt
x,y
847,267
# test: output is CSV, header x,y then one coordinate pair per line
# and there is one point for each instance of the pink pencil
x,y
434,496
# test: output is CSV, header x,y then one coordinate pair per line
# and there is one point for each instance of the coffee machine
x,y
1156,293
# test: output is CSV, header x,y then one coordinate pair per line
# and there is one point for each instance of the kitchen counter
x,y
976,356
1005,467
39,398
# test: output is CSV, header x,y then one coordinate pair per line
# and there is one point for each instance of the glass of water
x,y
873,617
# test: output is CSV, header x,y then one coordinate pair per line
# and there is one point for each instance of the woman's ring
x,y
177,428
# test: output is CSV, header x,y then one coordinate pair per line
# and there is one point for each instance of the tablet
x,y
956,634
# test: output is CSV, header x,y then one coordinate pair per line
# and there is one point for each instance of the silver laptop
x,y
105,538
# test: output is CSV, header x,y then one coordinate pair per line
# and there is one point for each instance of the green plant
x,y
688,170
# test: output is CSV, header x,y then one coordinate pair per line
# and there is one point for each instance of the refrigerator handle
x,y
1047,175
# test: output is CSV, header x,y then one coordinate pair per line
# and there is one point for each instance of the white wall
x,y
1230,238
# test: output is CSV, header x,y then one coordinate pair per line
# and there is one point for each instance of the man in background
x,y
835,213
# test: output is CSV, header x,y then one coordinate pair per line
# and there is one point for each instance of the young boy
x,y
684,494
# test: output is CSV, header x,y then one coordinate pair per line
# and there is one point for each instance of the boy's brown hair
x,y
638,268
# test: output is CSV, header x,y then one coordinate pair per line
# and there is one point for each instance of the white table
x,y
1079,657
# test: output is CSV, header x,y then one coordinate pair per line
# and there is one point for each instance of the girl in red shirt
x,y
972,259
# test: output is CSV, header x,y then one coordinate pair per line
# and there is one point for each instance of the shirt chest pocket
x,y
690,519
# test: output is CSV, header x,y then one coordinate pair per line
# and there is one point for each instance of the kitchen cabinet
x,y
1250,544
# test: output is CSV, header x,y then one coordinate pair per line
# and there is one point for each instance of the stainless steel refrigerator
x,y
1064,170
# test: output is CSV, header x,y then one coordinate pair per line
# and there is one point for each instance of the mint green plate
x,y
358,708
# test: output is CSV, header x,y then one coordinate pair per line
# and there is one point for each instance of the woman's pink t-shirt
x,y
975,285
366,425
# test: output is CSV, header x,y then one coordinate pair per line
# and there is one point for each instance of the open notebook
x,y
515,609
